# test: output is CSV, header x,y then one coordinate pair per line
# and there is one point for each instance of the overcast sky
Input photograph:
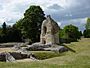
x,y
63,11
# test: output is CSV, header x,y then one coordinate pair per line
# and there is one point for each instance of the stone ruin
x,y
49,40
49,31
13,56
49,37
18,54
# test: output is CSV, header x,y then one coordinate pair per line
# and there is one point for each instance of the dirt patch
x,y
6,50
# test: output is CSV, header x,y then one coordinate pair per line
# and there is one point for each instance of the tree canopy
x,y
86,32
9,34
88,24
4,28
30,25
70,33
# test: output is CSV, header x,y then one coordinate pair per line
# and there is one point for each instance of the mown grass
x,y
78,59
41,55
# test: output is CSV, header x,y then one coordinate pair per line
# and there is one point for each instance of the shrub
x,y
86,33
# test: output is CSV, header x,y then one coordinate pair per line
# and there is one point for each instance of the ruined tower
x,y
49,31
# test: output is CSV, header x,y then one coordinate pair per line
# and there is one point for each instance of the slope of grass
x,y
41,55
78,59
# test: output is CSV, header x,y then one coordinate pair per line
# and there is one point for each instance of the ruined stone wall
x,y
49,31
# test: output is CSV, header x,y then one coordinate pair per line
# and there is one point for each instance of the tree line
x,y
9,34
86,32
29,27
69,33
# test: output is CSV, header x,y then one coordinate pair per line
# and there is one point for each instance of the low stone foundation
x,y
12,56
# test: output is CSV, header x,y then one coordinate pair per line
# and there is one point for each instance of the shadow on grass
x,y
72,50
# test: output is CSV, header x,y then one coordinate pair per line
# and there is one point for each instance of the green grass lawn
x,y
78,59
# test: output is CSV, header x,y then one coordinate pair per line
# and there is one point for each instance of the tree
x,y
88,24
70,33
30,25
86,32
80,33
14,34
4,28
10,34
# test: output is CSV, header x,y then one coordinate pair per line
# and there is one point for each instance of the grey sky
x,y
63,11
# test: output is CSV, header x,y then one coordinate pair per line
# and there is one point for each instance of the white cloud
x,y
60,10
59,23
12,9
80,23
1,21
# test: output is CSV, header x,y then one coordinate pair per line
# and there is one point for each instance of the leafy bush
x,y
86,33
69,33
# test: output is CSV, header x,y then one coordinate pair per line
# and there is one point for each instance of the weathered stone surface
x,y
37,46
46,47
16,46
12,56
49,31
6,57
18,55
57,49
9,58
33,57
4,45
19,45
2,57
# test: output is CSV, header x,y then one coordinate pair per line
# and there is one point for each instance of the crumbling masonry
x,y
49,31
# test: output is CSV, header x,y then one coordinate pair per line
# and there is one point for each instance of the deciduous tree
x,y
31,23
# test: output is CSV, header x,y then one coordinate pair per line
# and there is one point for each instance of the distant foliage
x,y
4,28
10,34
70,33
14,34
30,25
86,32
88,24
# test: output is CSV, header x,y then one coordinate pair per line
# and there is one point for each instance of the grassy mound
x,y
46,54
